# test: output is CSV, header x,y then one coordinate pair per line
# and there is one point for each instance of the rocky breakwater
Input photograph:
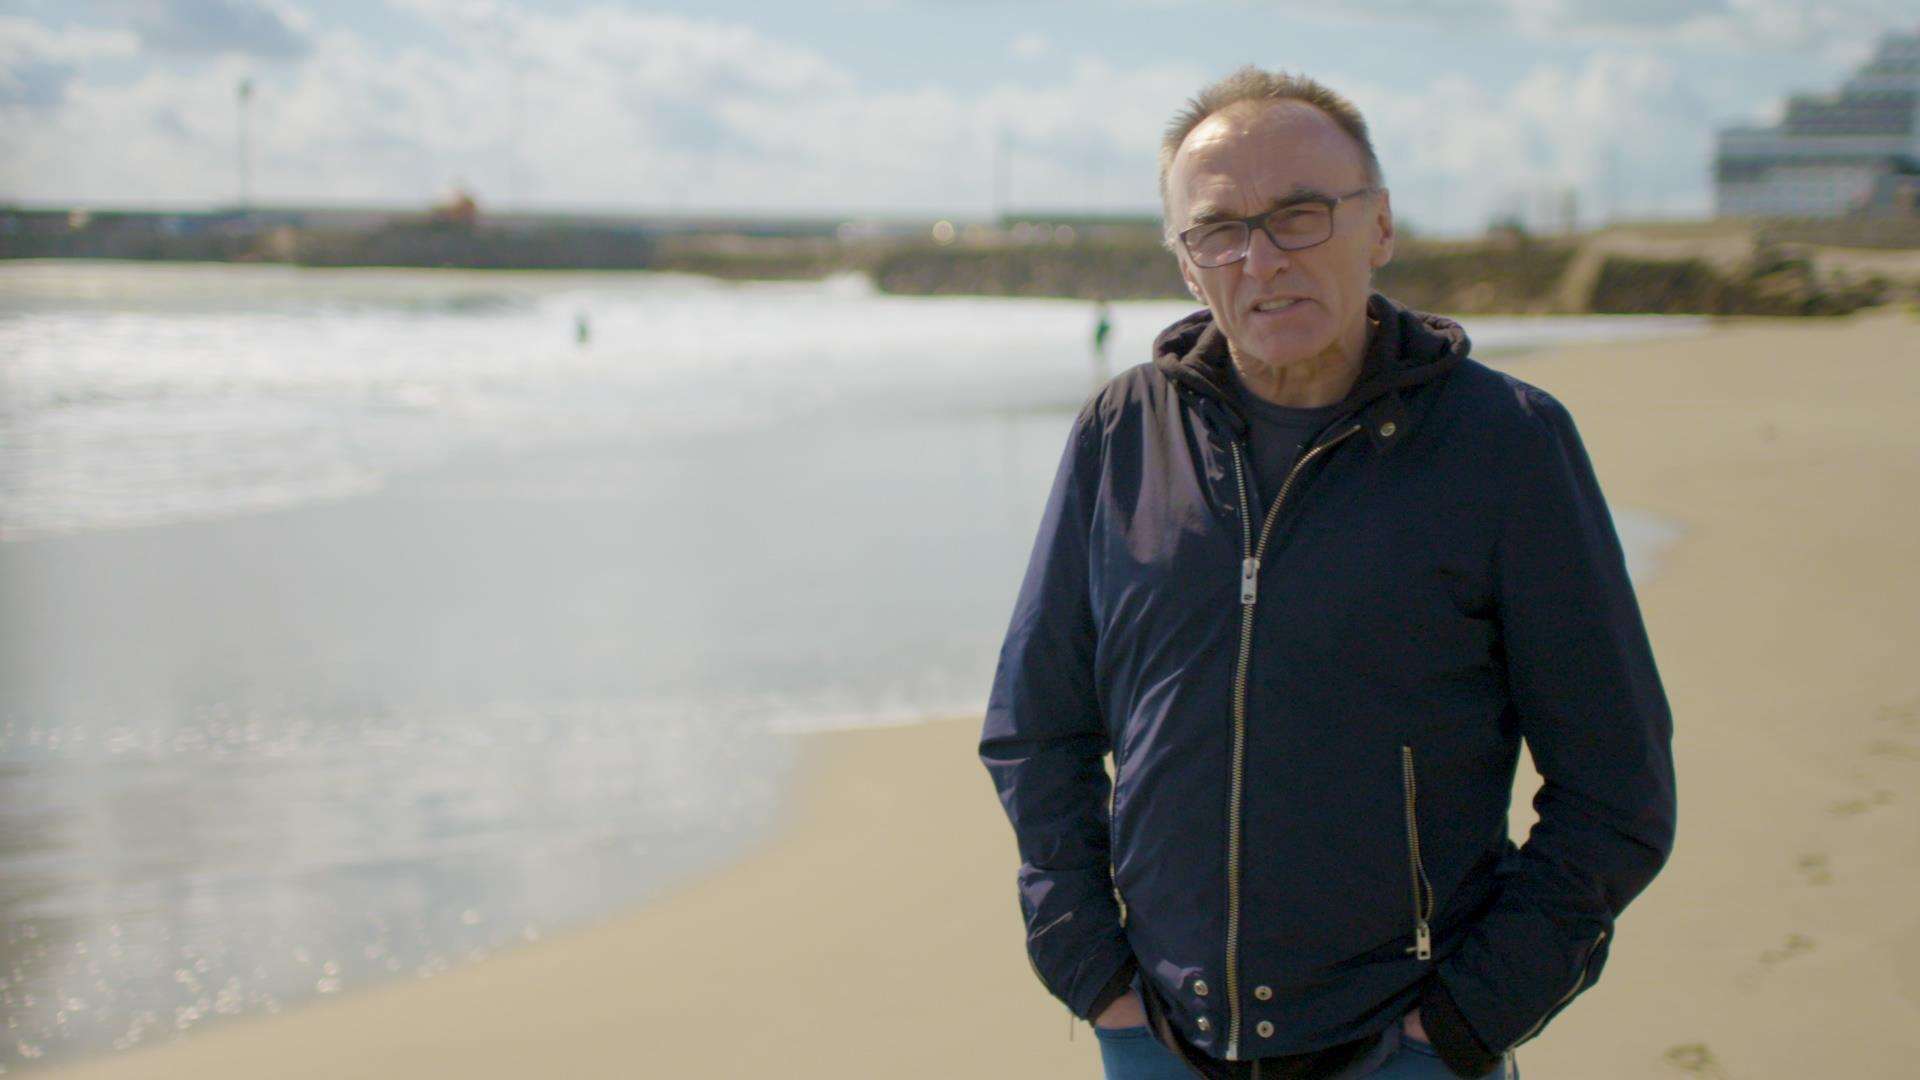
x,y
1720,272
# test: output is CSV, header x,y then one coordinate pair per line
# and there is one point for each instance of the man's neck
x,y
1319,380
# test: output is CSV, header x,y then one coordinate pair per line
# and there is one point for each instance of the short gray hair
x,y
1251,85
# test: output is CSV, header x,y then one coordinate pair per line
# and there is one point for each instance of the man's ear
x,y
1382,252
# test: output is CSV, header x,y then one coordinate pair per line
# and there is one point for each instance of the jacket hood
x,y
1408,348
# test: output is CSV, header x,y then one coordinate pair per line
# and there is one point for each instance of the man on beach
x,y
1311,576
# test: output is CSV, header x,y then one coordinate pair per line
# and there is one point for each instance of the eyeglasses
x,y
1300,224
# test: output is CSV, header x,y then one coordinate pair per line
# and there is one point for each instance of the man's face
x,y
1249,159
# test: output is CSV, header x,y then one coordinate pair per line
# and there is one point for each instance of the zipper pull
x,y
1249,579
1422,941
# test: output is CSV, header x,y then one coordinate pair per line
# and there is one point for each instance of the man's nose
x,y
1264,257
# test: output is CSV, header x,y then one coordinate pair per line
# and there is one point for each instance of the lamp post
x,y
1002,171
244,95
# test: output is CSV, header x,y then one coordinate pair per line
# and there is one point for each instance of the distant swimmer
x,y
1102,329
582,332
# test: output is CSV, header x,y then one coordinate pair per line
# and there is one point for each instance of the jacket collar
x,y
1406,348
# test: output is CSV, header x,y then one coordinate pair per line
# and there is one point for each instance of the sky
x,y
897,109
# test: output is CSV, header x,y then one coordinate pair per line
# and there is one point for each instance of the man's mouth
x,y
1276,305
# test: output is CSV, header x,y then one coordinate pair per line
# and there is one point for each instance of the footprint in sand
x,y
1794,946
1694,1059
1905,715
1851,807
1813,867
1893,748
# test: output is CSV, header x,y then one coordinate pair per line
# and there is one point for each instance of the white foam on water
x,y
138,394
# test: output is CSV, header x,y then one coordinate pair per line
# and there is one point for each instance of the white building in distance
x,y
1854,152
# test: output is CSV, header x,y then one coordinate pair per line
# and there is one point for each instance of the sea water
x,y
358,624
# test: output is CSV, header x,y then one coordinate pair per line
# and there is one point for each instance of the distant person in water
x,y
1102,328
1311,576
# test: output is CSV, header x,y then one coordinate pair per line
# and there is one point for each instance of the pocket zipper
x,y
1422,948
1068,917
1585,959
1035,936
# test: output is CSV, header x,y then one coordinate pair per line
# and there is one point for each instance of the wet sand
x,y
877,932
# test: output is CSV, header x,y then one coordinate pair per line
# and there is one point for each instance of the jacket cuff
x,y
1452,1038
1116,987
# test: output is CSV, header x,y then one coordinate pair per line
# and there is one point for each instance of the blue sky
x,y
879,107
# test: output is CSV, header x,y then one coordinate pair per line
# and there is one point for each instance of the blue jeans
x,y
1134,1053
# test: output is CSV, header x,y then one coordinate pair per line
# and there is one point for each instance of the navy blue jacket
x,y
1315,700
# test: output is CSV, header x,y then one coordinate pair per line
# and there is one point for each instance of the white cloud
x,y
612,108
37,62
262,28
1029,46
1621,130
655,53
1836,27
602,107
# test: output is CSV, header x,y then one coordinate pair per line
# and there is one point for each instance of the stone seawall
x,y
1558,277
1709,268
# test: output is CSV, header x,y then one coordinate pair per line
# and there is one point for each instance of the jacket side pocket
x,y
1422,888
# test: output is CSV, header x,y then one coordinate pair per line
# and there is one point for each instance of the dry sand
x,y
879,936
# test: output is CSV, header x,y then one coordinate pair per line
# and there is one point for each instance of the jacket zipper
x,y
1251,554
1578,982
1422,888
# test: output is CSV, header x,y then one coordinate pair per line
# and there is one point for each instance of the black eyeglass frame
x,y
1259,221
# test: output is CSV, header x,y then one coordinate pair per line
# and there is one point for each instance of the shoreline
x,y
877,928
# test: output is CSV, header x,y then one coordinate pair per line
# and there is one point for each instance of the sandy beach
x,y
877,934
